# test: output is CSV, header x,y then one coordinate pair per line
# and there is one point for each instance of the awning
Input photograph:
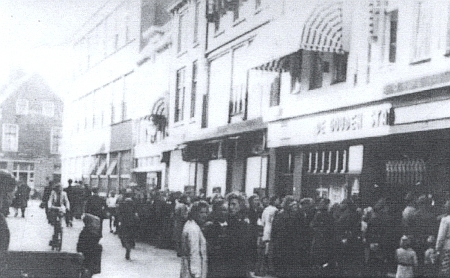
x,y
111,167
93,165
323,27
322,30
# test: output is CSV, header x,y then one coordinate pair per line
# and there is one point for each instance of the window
x,y
55,141
10,137
181,33
48,108
422,31
235,6
196,20
393,23
275,87
340,67
239,81
22,106
316,71
194,88
179,95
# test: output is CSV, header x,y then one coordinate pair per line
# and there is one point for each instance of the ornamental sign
x,y
418,83
364,122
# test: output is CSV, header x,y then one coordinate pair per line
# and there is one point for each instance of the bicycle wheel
x,y
58,243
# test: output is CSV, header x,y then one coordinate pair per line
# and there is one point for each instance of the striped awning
x,y
322,30
277,65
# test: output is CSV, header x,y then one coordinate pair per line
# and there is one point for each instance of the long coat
x,y
21,196
180,217
323,237
289,238
194,261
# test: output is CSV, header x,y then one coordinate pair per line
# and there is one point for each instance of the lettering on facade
x,y
376,118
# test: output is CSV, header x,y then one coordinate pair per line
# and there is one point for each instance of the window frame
x,y
196,21
13,146
48,106
194,87
340,65
181,40
22,110
316,71
421,50
180,91
56,130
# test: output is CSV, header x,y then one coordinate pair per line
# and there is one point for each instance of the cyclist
x,y
58,204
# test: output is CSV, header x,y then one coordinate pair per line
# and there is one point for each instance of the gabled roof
x,y
13,87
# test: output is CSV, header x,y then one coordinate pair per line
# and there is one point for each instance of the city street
x,y
33,234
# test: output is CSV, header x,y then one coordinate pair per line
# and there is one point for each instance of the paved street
x,y
33,234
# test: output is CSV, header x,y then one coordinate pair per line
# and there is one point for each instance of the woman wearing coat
x,y
289,238
21,197
128,218
180,217
88,244
194,262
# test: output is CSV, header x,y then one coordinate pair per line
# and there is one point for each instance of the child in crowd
x,y
406,259
430,269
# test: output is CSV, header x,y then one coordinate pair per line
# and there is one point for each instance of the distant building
x,y
31,129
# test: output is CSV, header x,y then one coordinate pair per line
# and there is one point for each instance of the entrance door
x,y
285,173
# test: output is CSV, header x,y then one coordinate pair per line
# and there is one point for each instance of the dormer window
x,y
22,106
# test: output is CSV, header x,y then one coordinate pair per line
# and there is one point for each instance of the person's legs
x,y
16,212
23,212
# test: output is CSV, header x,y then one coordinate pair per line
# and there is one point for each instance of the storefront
x,y
325,155
232,163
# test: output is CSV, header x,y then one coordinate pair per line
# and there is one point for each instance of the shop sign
x,y
356,123
418,83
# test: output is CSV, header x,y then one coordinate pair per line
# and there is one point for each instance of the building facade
x,y
331,99
31,117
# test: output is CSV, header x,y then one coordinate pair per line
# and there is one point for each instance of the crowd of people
x,y
287,237
232,235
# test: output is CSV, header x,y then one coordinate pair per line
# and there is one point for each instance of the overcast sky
x,y
35,35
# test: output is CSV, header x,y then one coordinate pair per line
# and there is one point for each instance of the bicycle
x,y
57,236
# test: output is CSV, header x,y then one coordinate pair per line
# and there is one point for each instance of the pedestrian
x,y
129,221
88,244
194,255
70,196
21,197
406,259
322,247
4,232
443,243
180,217
96,205
215,232
254,216
289,239
45,197
267,220
430,263
238,243
111,204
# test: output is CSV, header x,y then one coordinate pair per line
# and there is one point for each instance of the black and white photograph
x,y
224,138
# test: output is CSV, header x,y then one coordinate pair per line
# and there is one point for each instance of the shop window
x,y
328,161
10,137
422,31
339,67
179,95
